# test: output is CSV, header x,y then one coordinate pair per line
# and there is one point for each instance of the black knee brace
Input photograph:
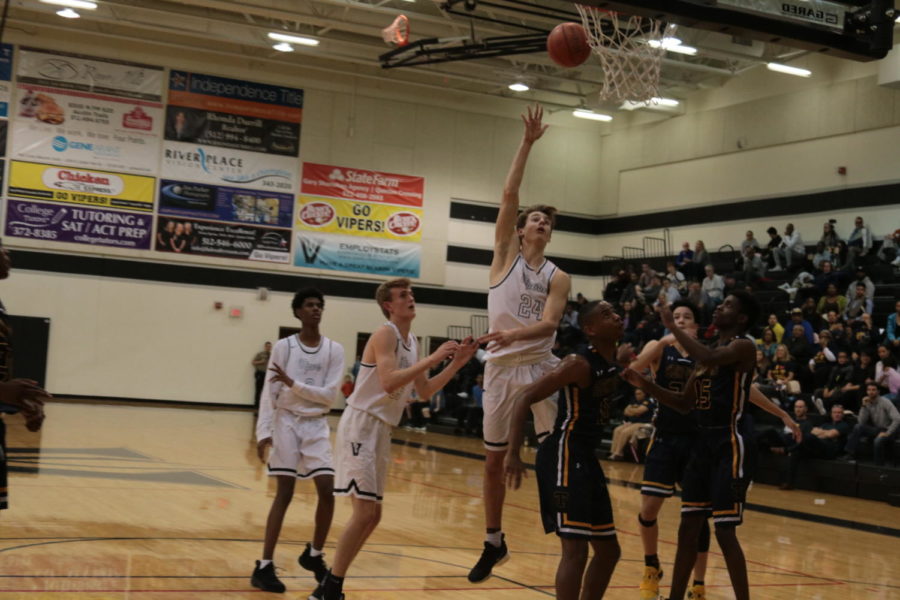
x,y
653,522
703,541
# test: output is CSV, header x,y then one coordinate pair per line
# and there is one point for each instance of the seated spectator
x,y
769,250
797,319
650,292
858,305
777,441
631,293
781,375
831,301
646,275
649,327
878,423
862,278
767,343
791,252
892,330
701,256
821,255
638,415
753,267
860,241
887,376
670,292
695,296
863,372
811,315
475,407
823,442
676,277
580,299
830,239
798,346
570,316
761,371
888,251
713,288
616,286
839,387
862,335
822,361
775,325
841,260
839,338
826,277
685,259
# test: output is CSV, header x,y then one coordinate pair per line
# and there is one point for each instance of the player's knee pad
x,y
652,522
703,542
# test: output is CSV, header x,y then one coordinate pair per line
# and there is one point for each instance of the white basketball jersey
x,y
518,301
369,395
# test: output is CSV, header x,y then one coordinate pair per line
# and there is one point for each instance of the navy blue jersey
x,y
721,394
673,373
583,410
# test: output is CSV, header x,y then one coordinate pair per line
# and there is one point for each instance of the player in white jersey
x,y
388,372
526,301
305,372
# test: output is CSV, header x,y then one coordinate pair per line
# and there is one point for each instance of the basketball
x,y
568,45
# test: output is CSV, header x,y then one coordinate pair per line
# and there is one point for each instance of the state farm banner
x,y
224,166
78,224
80,186
6,59
358,220
362,255
86,130
90,74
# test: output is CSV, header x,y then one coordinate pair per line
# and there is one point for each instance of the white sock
x,y
313,552
264,563
494,539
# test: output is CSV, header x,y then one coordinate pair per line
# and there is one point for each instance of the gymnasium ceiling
x,y
350,34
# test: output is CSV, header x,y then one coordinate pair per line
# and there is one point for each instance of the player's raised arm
x,y
762,401
506,240
427,386
393,378
560,286
573,369
682,402
740,351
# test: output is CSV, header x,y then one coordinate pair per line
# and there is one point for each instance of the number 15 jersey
x,y
518,301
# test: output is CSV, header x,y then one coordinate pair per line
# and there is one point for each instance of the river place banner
x,y
359,220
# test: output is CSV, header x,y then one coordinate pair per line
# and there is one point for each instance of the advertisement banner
x,y
360,184
365,219
6,59
187,236
86,130
361,255
80,186
226,130
216,203
223,166
59,223
90,74
220,94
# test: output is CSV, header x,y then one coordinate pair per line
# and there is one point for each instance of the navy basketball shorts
x,y
667,457
574,497
715,480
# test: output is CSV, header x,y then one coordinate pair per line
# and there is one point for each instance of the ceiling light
x,y
519,87
283,47
68,13
293,39
672,44
72,4
583,113
689,50
788,69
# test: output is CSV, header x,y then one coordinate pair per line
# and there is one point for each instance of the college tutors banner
x,y
358,220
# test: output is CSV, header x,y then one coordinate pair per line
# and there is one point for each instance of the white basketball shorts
x,y
362,455
300,446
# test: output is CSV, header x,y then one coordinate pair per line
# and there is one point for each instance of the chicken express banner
x,y
357,220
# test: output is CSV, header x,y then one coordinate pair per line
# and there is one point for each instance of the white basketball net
x,y
630,51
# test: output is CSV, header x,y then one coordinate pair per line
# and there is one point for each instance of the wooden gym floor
x,y
116,502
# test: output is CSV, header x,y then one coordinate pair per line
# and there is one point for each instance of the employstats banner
x,y
359,220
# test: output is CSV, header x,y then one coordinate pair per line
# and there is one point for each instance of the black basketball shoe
x,y
316,564
491,557
266,579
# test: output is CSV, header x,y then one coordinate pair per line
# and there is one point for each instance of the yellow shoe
x,y
650,583
697,592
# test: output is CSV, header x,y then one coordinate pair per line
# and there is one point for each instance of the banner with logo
x,y
60,223
358,254
236,97
6,59
86,130
211,202
223,166
80,186
359,220
190,236
90,74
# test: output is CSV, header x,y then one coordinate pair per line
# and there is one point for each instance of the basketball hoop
x,y
630,50
397,33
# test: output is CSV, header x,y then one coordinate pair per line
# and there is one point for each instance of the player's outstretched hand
x,y
444,351
261,448
795,429
21,392
498,339
34,415
280,376
633,377
624,354
514,470
465,351
665,315
534,129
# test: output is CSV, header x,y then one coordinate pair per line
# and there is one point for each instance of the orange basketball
x,y
568,45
